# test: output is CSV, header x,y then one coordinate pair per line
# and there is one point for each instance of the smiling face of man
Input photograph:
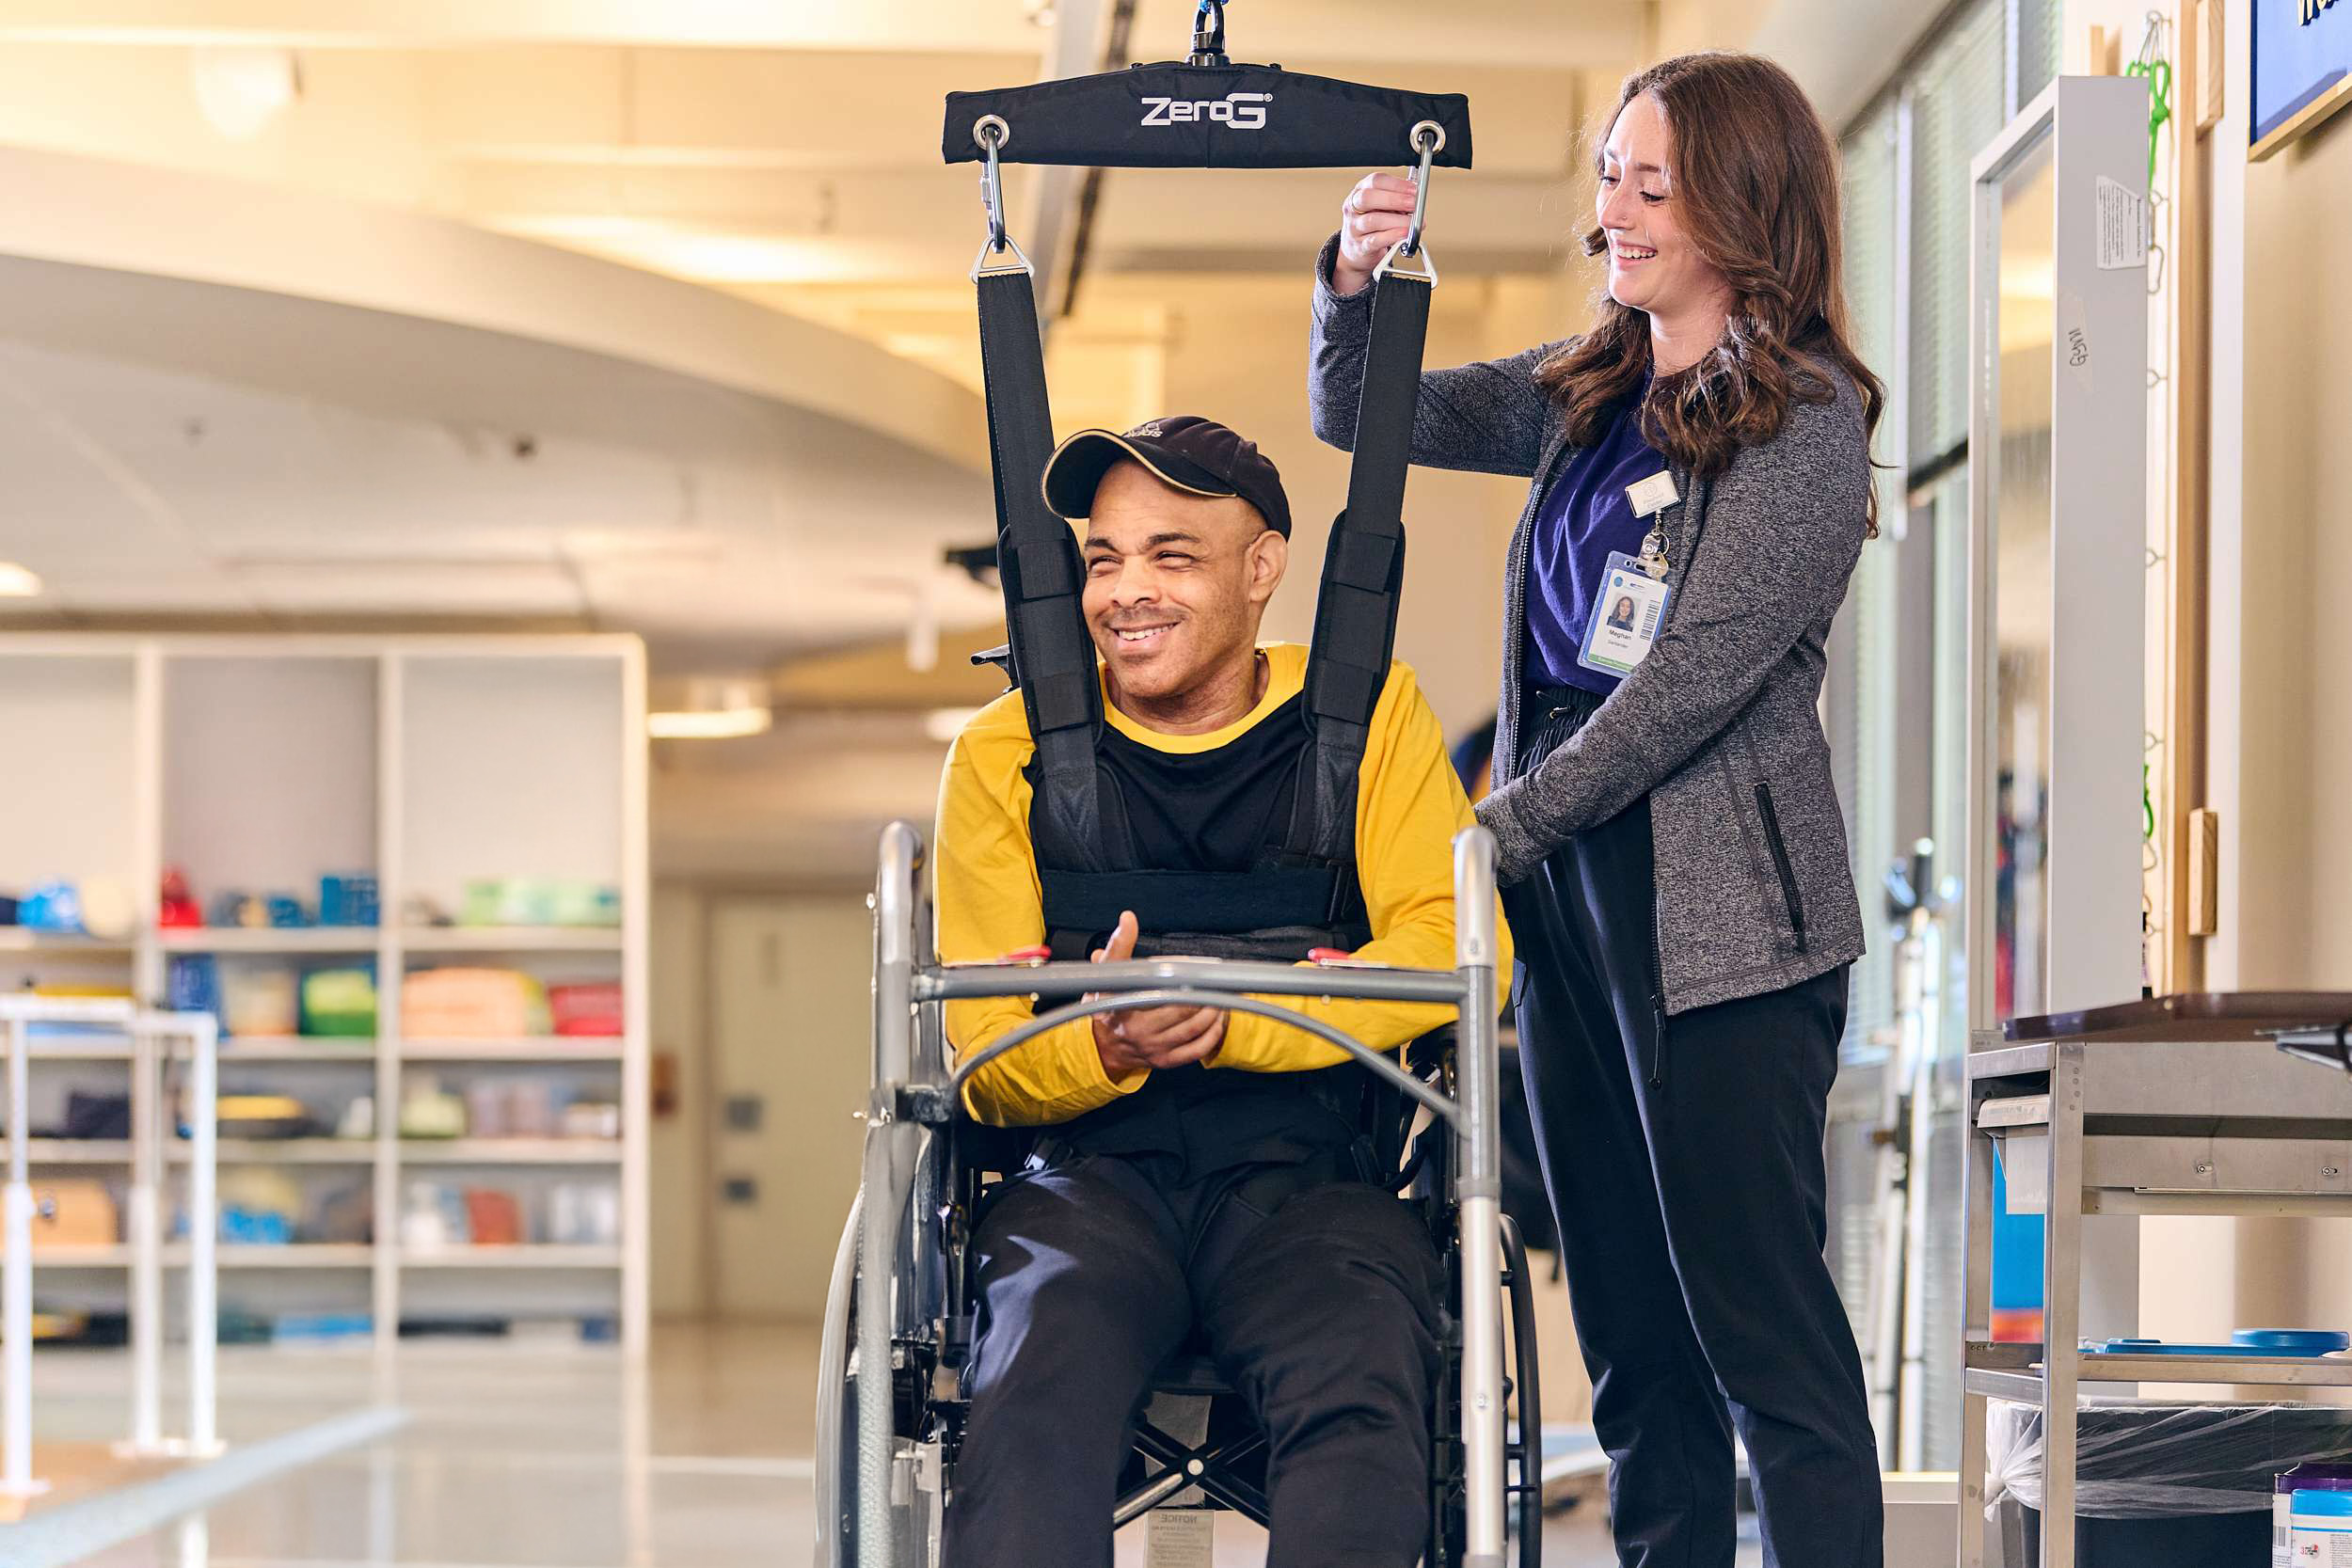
x,y
1176,586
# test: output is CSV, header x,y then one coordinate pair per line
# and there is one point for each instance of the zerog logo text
x,y
1242,111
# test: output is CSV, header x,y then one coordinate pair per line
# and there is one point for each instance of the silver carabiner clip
x,y
990,134
1428,139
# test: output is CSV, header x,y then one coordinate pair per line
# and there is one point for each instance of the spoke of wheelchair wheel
x,y
1241,1499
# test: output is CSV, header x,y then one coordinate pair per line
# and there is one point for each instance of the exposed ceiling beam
x,y
1309,35
1839,65
1301,34
125,218
1077,50
993,26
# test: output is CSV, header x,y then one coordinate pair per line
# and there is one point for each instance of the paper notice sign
x,y
1179,1538
2122,226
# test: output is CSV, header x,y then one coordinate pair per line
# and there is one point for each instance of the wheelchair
x,y
898,1311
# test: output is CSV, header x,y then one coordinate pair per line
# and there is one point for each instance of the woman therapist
x,y
1674,856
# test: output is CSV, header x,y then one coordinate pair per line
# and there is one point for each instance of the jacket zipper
x,y
1780,861
1657,956
1657,1000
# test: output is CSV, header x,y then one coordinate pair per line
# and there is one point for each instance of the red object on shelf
x,y
586,1011
493,1218
2017,1325
179,908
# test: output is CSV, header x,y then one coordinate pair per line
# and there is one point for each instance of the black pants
x,y
1686,1170
1323,1314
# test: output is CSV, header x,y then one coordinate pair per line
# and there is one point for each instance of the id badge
x,y
1626,618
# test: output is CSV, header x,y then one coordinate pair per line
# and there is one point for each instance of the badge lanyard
x,y
1630,608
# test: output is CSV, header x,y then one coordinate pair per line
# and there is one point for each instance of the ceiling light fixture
x,y
18,582
241,91
944,724
719,709
726,724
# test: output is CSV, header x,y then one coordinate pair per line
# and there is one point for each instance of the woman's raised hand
x,y
1377,214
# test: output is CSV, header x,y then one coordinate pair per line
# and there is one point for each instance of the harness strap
x,y
1364,572
1037,560
1231,902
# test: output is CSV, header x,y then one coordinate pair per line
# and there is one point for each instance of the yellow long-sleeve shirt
x,y
1409,805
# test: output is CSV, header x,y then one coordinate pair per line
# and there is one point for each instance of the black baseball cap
x,y
1184,450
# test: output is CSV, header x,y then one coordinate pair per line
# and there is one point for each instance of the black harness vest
x,y
1213,855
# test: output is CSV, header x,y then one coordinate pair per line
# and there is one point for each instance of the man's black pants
x,y
1686,1169
1321,1313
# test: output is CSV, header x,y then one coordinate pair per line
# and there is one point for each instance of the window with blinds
x,y
1956,107
2037,23
1896,697
1860,691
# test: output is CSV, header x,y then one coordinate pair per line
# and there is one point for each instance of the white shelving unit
x,y
260,764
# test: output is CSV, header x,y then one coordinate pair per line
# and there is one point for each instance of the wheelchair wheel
x,y
1522,1455
1527,1449
836,1408
917,1507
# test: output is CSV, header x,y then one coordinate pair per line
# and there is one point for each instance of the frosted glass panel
x,y
2025,331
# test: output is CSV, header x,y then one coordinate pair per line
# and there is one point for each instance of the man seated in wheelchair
x,y
1199,1176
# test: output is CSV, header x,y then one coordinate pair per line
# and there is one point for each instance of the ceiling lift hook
x,y
1208,35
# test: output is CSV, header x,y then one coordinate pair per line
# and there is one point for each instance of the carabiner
x,y
1428,139
991,134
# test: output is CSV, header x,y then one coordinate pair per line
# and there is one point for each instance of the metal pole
x,y
1113,1000
2062,1305
144,1224
203,1033
878,1249
1479,1188
885,1194
1883,1316
894,956
1911,1415
1976,1325
16,1308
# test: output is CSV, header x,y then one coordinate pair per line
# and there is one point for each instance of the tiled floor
x,y
543,1457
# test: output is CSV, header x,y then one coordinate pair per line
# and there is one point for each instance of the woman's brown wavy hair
x,y
1755,179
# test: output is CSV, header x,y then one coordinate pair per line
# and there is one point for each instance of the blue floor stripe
x,y
54,1538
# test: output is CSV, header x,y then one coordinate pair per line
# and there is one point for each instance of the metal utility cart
x,y
2180,1105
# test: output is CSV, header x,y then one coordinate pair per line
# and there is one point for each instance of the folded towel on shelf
x,y
472,1004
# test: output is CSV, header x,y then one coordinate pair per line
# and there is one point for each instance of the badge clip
x,y
1650,498
1654,554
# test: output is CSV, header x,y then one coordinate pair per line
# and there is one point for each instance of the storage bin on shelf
x,y
540,901
71,1212
586,1011
460,1002
2158,1484
340,1003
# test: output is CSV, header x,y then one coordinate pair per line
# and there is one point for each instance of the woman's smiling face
x,y
1653,264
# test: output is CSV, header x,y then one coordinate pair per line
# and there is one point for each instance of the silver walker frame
x,y
917,1084
152,1036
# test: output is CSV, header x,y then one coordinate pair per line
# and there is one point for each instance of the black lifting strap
x,y
1364,572
1036,560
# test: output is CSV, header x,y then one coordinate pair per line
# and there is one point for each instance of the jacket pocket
x,y
1781,863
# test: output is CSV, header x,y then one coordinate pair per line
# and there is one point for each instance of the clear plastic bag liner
x,y
2139,1459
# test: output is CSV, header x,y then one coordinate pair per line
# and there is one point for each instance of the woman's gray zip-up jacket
x,y
1719,725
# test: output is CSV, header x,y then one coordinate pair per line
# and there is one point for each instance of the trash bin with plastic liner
x,y
2158,1485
